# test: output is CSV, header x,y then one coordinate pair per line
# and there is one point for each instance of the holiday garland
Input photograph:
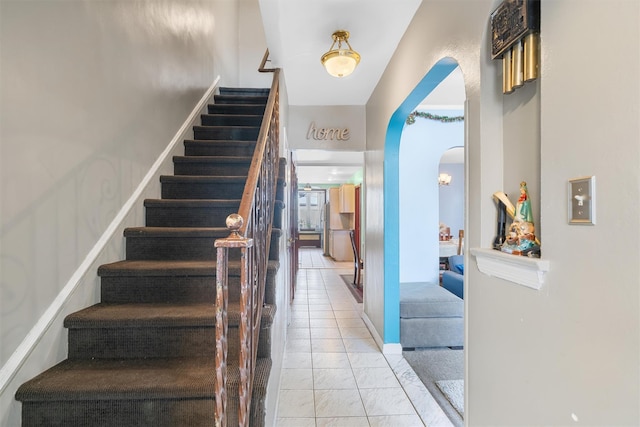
x,y
411,119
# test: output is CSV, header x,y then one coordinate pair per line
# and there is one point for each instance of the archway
x,y
392,248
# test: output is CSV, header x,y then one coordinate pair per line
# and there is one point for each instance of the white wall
x,y
92,93
423,144
568,353
452,198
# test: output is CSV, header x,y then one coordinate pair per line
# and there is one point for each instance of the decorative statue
x,y
521,238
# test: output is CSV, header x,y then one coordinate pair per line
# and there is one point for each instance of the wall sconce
x,y
340,62
444,179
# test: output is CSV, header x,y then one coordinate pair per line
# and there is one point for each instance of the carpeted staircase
x,y
144,355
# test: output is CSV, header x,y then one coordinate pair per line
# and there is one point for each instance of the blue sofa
x,y
453,279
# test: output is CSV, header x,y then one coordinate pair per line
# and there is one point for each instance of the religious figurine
x,y
521,238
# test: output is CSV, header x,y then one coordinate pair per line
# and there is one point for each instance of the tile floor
x,y
333,373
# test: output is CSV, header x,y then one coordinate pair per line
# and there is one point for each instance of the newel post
x,y
234,223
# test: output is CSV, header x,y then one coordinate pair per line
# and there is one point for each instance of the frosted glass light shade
x,y
340,62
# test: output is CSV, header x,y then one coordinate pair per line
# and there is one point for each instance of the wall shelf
x,y
521,270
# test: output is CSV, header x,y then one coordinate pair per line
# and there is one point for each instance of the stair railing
x,y
251,232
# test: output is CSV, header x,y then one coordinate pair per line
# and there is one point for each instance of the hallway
x,y
333,373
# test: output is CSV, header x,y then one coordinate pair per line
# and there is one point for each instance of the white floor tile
x,y
296,379
386,401
298,345
325,333
296,403
323,323
330,361
327,345
342,422
338,379
351,323
298,333
296,360
296,422
367,360
355,333
338,403
361,346
375,378
396,421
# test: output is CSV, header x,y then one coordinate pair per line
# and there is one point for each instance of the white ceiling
x,y
298,32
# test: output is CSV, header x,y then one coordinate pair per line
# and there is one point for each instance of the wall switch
x,y
582,200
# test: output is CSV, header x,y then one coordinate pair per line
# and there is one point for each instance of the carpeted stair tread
x,y
160,315
191,203
212,159
240,99
193,147
231,119
187,231
177,268
131,379
203,179
219,232
86,379
259,91
236,108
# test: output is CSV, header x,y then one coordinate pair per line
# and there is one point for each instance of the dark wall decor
x,y
515,28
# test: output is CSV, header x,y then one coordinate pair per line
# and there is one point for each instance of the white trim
x,y
525,271
388,348
36,333
392,348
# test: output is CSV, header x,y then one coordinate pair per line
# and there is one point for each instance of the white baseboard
x,y
34,336
392,348
388,348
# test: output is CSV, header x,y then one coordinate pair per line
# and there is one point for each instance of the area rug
x,y
439,364
356,292
453,390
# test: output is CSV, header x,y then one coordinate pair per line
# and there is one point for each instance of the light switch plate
x,y
582,200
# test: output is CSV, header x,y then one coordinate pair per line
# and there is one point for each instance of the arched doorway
x,y
393,249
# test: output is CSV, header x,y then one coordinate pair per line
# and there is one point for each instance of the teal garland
x,y
411,119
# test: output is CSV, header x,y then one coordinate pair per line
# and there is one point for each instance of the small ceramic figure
x,y
521,238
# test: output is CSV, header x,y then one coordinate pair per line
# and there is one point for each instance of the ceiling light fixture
x,y
340,62
444,179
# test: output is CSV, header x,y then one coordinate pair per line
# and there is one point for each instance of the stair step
x,y
135,392
109,331
218,148
202,187
240,99
231,119
182,243
243,133
212,165
242,109
177,281
244,91
189,212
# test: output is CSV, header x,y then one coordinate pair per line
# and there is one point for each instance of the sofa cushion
x,y
456,263
425,300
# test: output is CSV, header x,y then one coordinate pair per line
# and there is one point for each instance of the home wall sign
x,y
327,134
515,27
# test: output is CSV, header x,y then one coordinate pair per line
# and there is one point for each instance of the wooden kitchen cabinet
x,y
347,198
340,245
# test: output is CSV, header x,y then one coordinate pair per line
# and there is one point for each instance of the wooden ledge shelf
x,y
525,271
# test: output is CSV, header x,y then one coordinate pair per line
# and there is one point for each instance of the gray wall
x,y
567,353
